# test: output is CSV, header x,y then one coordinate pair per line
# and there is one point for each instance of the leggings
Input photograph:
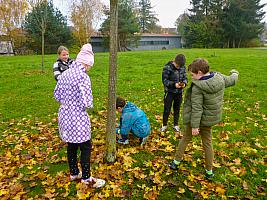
x,y
85,149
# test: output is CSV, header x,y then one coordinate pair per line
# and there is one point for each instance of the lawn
x,y
33,158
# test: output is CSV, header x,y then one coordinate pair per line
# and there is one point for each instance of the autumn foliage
x,y
33,156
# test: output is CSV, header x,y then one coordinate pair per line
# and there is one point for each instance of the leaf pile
x,y
34,165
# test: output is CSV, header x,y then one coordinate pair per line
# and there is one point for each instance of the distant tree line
x,y
221,23
37,26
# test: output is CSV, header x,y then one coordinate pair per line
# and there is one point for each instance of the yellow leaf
x,y
220,190
3,192
217,165
245,185
237,161
8,154
204,194
168,149
181,190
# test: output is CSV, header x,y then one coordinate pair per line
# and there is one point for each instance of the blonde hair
x,y
61,48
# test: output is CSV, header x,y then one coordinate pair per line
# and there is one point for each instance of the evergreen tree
x,y
56,32
242,21
147,18
223,23
127,26
196,11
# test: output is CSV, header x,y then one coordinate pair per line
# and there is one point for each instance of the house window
x,y
97,44
146,43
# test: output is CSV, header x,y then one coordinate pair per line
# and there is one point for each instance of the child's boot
x,y
174,165
143,140
209,174
163,129
123,141
95,182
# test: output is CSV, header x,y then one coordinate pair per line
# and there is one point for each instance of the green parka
x,y
204,100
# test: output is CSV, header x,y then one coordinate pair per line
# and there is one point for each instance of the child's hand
x,y
179,85
233,71
195,131
182,85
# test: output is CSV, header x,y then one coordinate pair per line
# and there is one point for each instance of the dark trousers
x,y
177,100
85,149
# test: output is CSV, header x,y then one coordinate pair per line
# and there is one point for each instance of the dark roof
x,y
158,35
146,35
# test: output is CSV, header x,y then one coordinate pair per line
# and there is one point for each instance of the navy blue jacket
x,y
171,75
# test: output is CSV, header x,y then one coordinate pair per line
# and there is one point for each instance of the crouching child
x,y
133,120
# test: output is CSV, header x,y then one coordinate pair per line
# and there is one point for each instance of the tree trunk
x,y
43,32
239,43
110,147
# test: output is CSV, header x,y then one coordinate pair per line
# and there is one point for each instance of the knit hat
x,y
86,55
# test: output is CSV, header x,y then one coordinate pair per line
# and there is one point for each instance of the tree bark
x,y
110,147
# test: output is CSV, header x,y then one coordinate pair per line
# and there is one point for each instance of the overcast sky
x,y
167,10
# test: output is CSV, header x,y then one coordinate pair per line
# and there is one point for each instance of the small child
x,y
202,109
132,119
73,92
63,62
174,80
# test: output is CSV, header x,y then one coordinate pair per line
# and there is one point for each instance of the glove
x,y
233,71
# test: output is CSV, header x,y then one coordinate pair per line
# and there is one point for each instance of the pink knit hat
x,y
86,55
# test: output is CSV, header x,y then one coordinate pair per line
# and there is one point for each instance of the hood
x,y
211,85
129,107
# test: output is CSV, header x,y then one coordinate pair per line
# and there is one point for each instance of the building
x,y
6,48
146,42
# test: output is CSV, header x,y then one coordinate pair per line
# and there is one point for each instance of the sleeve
x,y
56,70
197,107
184,80
165,78
125,124
232,79
86,92
58,93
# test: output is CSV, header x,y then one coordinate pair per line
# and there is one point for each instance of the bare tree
x,y
42,19
85,16
110,151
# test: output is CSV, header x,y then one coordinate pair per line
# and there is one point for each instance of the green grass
x,y
27,108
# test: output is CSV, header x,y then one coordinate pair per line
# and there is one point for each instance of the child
x,y
62,63
132,119
73,91
202,109
174,80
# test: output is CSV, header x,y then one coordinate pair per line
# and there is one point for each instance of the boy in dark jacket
x,y
133,120
174,80
202,109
